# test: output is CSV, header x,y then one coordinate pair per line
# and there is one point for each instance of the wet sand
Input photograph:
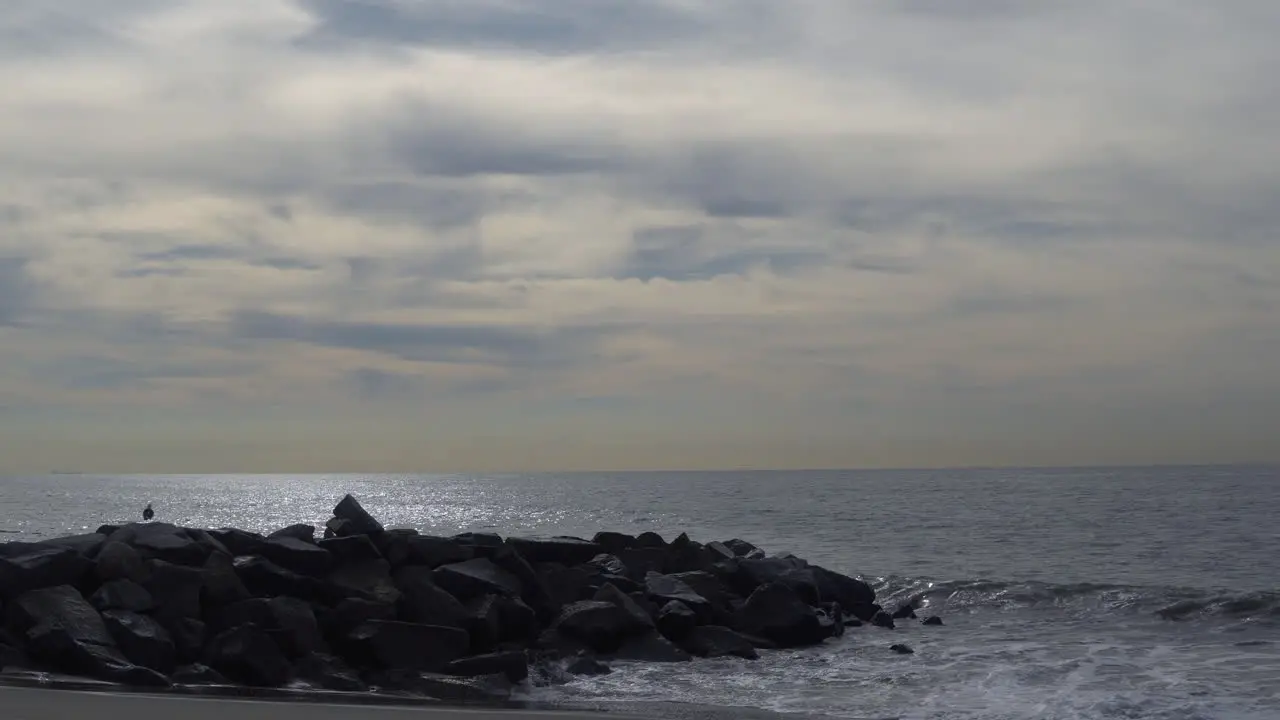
x,y
18,703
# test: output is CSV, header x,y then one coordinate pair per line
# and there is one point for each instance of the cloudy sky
x,y
386,235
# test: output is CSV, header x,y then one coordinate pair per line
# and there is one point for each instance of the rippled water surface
x,y
1103,593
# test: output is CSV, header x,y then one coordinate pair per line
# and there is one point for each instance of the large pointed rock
x,y
602,626
31,567
408,646
475,578
425,602
855,596
777,613
639,616
248,655
301,531
142,640
358,521
662,589
60,606
300,556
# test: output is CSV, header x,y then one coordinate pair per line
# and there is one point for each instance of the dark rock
x,y
53,645
425,602
601,625
650,540
640,561
903,613
792,572
361,522
479,539
188,638
219,582
776,613
713,641
353,612
429,551
514,665
565,584
106,529
87,545
254,611
563,550
931,620
176,590
162,541
300,632
410,646
142,640
742,548
883,619
554,644
718,551
676,620
329,673
239,542
639,616
831,619
587,666
612,542
665,588
855,596
852,622
35,566
483,623
532,589
351,549
485,689
117,561
122,595
370,579
301,531
519,621
708,586
685,555
902,649
300,556
606,564
248,655
338,527
650,647
197,674
474,578
62,607
622,582
264,578
11,658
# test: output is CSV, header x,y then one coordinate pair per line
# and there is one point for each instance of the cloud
x,y
672,231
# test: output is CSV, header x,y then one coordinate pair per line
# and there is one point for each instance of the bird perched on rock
x,y
148,513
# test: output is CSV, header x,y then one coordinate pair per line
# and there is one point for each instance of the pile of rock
x,y
363,607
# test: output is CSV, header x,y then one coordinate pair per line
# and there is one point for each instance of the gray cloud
x,y
16,290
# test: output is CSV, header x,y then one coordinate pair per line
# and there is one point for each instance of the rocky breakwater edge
x,y
395,614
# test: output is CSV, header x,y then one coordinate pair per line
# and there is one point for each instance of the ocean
x,y
1067,593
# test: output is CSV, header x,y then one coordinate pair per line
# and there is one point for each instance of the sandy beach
x,y
38,704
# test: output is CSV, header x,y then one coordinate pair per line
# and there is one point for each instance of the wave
x,y
1168,603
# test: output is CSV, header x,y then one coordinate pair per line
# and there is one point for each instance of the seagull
x,y
148,513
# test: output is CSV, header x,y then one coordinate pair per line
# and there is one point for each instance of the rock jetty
x,y
363,608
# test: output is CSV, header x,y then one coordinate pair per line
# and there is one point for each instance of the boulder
x,y
639,616
904,612
248,655
40,566
605,564
254,611
61,607
425,602
792,572
650,647
239,542
776,613
587,666
338,527
197,674
428,551
882,619
117,561
481,541
708,586
650,540
353,612
553,644
640,561
264,578
532,590
514,665
483,623
86,545
519,622
302,531
299,631
602,626
612,542
142,640
474,578
719,552
742,548
565,584
359,522
931,620
300,556
369,579
328,673
665,588
351,549
176,589
122,595
162,541
220,584
713,641
902,649
685,555
563,550
54,645
188,638
855,596
676,620
407,646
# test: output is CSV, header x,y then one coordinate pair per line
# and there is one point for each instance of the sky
x,y
501,235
